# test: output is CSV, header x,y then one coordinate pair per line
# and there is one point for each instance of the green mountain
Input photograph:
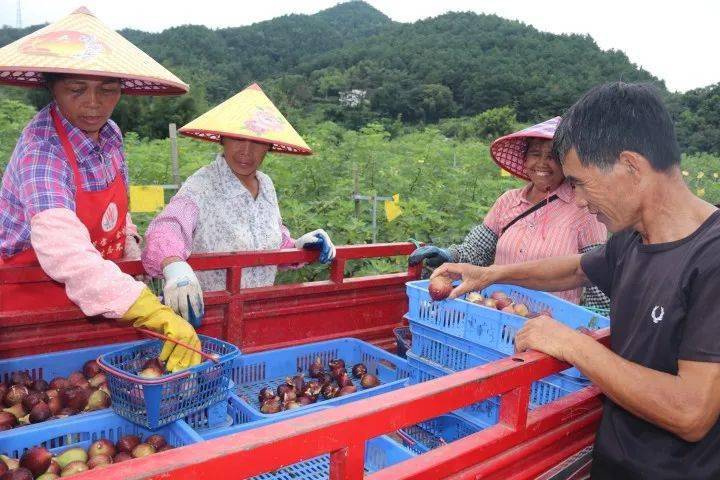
x,y
457,64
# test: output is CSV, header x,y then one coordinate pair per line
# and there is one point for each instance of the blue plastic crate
x,y
253,372
170,397
541,392
455,353
82,430
437,432
489,327
422,371
46,366
380,452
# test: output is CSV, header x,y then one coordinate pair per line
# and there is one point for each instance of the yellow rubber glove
x,y
148,312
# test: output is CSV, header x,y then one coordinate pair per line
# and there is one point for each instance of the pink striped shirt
x,y
557,229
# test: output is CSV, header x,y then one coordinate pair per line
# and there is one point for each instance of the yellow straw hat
x,y
81,44
249,115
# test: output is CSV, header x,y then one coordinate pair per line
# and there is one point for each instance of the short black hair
x,y
617,117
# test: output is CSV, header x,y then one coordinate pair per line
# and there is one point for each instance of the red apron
x,y
103,213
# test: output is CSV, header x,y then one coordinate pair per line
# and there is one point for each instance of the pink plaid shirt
x,y
39,177
557,229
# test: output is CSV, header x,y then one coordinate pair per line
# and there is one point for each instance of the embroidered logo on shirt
x,y
657,314
110,217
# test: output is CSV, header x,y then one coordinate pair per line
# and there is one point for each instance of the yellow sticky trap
x,y
392,208
146,198
504,173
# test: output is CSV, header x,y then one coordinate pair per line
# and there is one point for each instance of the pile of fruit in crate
x,y
152,368
441,286
297,391
500,301
34,401
38,463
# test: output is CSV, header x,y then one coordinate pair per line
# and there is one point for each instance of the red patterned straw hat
x,y
81,44
509,151
249,115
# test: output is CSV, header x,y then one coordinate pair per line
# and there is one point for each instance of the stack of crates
x,y
453,335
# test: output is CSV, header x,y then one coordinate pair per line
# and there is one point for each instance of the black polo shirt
x,y
665,307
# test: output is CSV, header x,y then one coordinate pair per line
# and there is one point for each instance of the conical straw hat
x,y
509,151
249,115
81,44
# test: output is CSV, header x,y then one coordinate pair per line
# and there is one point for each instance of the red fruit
x,y
37,460
498,295
490,303
330,391
101,460
21,378
312,389
307,400
343,380
32,399
55,405
15,395
521,309
58,383
156,440
155,364
54,468
266,393
75,398
503,303
39,385
298,381
52,393
122,457
127,443
76,378
17,474
102,447
273,405
358,370
91,368
316,368
284,388
337,362
347,390
291,405
440,287
7,421
369,381
40,412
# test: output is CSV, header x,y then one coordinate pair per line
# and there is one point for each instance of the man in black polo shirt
x,y
661,271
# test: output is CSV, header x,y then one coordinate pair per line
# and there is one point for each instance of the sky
x,y
675,41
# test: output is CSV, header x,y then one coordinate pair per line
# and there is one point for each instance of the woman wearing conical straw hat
x,y
228,205
537,221
63,201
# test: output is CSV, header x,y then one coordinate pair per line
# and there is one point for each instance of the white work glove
x,y
182,291
318,240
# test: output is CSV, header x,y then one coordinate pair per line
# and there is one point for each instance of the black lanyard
x,y
527,212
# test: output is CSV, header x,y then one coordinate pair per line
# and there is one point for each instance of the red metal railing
x,y
521,446
254,319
